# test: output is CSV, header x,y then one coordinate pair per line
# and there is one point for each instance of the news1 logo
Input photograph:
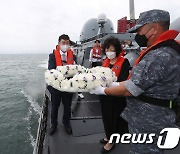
x,y
171,138
167,139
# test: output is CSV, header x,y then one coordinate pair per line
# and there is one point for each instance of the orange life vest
x,y
70,59
96,55
123,53
117,66
168,35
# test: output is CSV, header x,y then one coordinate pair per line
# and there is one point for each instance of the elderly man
x,y
154,82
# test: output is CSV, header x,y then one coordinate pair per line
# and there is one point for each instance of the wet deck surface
x,y
61,143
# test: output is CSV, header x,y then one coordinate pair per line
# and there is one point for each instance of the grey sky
x,y
33,26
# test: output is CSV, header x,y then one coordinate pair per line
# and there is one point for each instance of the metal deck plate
x,y
61,143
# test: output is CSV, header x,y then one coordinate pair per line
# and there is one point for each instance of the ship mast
x,y
131,9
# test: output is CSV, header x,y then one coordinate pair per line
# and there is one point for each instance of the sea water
x,y
22,89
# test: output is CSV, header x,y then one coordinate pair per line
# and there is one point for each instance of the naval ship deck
x,y
87,130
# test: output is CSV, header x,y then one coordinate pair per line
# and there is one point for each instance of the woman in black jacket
x,y
110,105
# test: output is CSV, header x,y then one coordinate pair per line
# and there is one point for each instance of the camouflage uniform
x,y
157,75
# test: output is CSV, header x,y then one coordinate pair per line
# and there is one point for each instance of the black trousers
x,y
56,98
94,64
111,108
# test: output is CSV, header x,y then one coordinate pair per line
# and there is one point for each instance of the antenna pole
x,y
131,9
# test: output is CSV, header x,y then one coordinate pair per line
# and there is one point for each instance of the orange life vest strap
x,y
96,55
70,59
168,35
117,66
123,53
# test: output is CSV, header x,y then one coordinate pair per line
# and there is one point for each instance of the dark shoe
x,y
106,151
68,129
103,141
52,130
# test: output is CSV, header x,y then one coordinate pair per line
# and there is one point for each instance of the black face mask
x,y
141,40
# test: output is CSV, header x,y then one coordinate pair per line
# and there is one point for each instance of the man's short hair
x,y
164,24
97,41
64,37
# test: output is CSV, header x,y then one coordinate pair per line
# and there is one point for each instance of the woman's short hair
x,y
112,41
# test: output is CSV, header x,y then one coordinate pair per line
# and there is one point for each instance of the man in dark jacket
x,y
61,56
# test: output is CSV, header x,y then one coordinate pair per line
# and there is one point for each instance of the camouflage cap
x,y
150,17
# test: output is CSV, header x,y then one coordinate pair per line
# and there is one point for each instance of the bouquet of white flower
x,y
82,79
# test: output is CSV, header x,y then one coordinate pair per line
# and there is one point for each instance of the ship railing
x,y
38,149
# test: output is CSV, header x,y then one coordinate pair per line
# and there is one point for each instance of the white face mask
x,y
64,47
111,54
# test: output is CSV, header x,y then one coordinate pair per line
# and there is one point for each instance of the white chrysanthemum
x,y
83,79
90,81
75,84
97,79
56,84
71,70
81,69
61,69
101,70
60,76
49,77
65,85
